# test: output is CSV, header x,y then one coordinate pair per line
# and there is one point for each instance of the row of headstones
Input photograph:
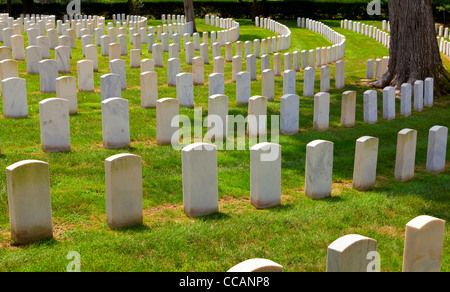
x,y
329,33
350,24
380,65
62,55
444,47
423,96
422,252
283,32
115,114
442,31
172,19
367,30
30,203
230,28
225,23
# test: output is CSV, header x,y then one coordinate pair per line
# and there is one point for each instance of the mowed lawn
x,y
295,234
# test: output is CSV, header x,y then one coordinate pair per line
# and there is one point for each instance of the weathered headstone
x,y
308,83
236,67
117,66
268,84
198,70
321,111
348,108
405,103
418,95
115,123
340,74
370,107
257,265
48,72
14,92
406,155
365,165
173,69
389,103
54,124
217,117
185,89
200,185
123,188
289,114
257,116
325,78
424,244
66,88
110,86
289,82
167,120
216,84
157,51
437,147
85,73
428,92
243,87
265,175
29,201
319,169
349,253
33,57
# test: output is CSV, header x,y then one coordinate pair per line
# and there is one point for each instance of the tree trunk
x,y
414,51
254,9
8,7
189,12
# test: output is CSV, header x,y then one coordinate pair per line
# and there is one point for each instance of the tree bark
x,y
8,6
413,49
189,12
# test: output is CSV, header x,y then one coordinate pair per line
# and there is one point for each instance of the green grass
x,y
295,234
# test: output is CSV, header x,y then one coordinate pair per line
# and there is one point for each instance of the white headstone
x,y
424,244
14,92
200,185
321,111
110,86
243,87
289,114
117,66
370,107
406,155
265,175
123,188
389,103
308,83
365,165
66,88
48,72
29,201
149,89
185,89
54,122
115,123
405,103
167,121
350,253
319,169
85,73
437,147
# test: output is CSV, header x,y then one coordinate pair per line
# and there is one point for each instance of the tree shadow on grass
x,y
38,243
214,216
134,228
